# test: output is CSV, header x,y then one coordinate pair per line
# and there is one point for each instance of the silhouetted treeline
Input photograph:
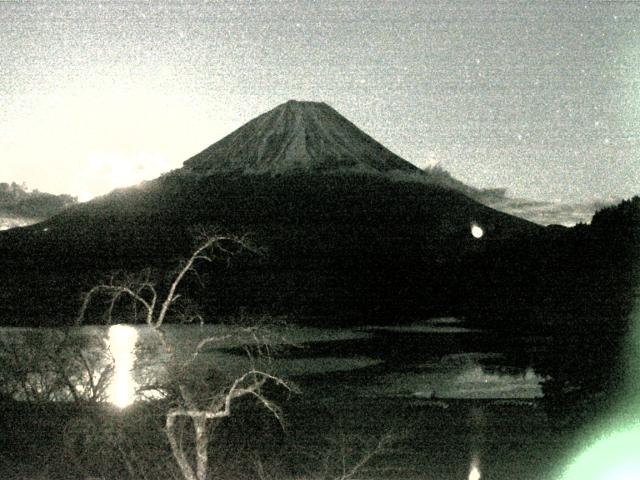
x,y
588,363
577,286
16,200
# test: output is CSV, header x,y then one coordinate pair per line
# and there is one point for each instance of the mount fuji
x,y
350,228
305,136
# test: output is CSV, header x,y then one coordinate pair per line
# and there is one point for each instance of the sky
x,y
540,98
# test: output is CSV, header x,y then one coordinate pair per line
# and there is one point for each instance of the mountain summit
x,y
302,136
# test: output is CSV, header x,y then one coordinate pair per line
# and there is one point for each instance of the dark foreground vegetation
x,y
322,439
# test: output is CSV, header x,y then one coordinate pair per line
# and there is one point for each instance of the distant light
x,y
476,230
474,474
122,342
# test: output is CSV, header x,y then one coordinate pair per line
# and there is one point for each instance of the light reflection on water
x,y
121,342
474,468
460,375
474,474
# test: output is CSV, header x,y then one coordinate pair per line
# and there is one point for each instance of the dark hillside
x,y
576,286
346,245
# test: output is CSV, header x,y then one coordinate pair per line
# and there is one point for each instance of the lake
x,y
436,359
461,402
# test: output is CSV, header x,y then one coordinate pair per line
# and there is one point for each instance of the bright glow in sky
x,y
538,97
101,138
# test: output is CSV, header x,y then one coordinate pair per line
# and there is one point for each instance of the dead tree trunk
x,y
143,293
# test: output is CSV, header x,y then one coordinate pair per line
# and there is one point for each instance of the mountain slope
x,y
343,238
313,137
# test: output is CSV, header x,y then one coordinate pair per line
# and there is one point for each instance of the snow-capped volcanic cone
x,y
309,136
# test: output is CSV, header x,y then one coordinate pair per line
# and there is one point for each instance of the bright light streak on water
x,y
122,342
474,474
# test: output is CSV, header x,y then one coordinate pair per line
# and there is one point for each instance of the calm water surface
x,y
464,399
437,358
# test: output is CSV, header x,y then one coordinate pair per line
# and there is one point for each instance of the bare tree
x,y
344,457
249,384
142,291
351,454
52,365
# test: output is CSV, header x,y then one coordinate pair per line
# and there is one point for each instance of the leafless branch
x,y
142,290
348,473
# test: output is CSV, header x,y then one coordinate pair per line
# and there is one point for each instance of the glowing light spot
x,y
122,342
477,231
474,474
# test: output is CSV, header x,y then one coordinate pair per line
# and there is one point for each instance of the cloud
x,y
7,222
20,207
541,212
